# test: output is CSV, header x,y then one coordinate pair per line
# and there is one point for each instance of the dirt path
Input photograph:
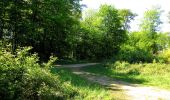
x,y
132,91
76,65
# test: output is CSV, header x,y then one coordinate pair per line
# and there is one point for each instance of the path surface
x,y
132,91
76,65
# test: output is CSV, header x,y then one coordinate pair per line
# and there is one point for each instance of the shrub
x,y
23,78
121,65
134,54
125,67
164,56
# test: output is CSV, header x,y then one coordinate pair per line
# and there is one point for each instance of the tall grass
x,y
151,74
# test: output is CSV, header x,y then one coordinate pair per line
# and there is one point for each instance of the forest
x,y
38,35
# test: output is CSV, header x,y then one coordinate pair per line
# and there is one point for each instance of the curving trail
x,y
132,91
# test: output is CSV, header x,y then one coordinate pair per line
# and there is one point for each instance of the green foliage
x,y
124,67
126,17
113,35
164,56
49,26
23,78
150,69
135,49
144,45
134,54
151,21
150,74
101,34
150,25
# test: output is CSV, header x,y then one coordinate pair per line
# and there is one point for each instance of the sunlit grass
x,y
145,74
86,90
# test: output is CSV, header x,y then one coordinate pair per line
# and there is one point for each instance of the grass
x,y
154,74
86,90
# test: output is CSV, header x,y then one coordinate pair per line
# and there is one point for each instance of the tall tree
x,y
1,18
114,35
169,16
46,25
126,17
102,33
150,25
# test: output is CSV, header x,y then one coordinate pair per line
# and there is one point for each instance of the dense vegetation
x,y
58,28
46,25
23,78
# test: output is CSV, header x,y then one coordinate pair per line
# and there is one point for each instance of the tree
x,y
102,33
90,36
113,34
46,25
163,41
150,25
126,17
169,17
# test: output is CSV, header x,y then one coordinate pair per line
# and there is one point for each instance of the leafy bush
x,y
134,54
164,56
124,67
23,78
121,65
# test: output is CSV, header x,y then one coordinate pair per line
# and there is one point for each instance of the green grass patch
x,y
151,74
86,90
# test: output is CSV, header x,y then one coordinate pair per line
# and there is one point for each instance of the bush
x,y
125,67
134,54
23,78
121,65
164,56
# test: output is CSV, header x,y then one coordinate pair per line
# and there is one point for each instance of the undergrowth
x,y
22,78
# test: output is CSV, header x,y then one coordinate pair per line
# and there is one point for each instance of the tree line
x,y
46,25
57,27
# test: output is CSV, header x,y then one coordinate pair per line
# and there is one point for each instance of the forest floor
x,y
130,91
